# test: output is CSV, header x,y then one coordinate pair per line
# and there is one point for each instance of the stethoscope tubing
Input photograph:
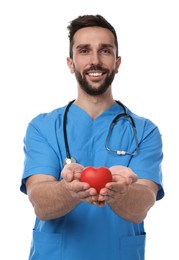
x,y
70,159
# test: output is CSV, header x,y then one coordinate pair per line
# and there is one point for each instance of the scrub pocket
x,y
132,248
46,246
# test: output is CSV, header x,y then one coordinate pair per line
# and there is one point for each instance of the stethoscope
x,y
70,159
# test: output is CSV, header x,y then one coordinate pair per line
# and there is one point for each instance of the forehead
x,y
93,36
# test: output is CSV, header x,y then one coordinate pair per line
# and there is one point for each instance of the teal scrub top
x,y
89,232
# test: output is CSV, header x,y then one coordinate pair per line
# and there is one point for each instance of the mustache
x,y
96,67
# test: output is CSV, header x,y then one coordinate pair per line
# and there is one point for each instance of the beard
x,y
89,89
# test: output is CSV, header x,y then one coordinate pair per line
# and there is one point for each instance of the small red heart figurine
x,y
96,177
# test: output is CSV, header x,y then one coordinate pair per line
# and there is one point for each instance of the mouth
x,y
96,75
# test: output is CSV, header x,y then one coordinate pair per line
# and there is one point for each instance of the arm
x,y
52,199
129,197
49,197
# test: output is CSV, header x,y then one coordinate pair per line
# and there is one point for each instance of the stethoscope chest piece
x,y
68,161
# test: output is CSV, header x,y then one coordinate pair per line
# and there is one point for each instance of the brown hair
x,y
89,21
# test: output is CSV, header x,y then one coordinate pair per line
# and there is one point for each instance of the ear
x,y
118,63
70,64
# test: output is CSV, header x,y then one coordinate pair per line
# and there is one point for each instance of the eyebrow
x,y
102,45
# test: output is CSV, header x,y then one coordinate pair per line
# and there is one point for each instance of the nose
x,y
95,58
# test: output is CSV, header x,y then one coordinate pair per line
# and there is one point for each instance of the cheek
x,y
80,63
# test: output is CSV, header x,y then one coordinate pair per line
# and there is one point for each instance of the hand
x,y
72,172
122,178
78,190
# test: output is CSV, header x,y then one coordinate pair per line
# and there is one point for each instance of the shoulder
x,y
141,120
48,118
46,123
144,125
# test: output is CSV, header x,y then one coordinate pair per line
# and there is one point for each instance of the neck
x,y
95,105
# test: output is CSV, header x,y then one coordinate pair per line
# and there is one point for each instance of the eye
x,y
84,51
105,51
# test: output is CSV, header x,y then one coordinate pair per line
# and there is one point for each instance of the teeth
x,y
95,74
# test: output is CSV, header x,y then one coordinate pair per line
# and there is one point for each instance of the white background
x,y
34,78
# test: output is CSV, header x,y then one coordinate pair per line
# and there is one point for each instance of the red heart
x,y
96,177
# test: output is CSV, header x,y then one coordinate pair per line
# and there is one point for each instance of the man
x,y
73,220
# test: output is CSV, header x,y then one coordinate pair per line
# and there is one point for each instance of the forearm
x,y
51,199
134,205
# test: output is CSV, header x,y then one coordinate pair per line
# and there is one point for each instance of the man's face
x,y
94,59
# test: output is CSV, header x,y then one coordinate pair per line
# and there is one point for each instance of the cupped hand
x,y
79,190
122,178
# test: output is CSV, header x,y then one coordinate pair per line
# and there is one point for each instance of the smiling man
x,y
94,59
73,220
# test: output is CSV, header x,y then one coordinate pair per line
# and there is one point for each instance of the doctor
x,y
73,221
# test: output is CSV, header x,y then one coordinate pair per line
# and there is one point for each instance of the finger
x,y
75,167
84,192
116,187
66,174
71,171
77,186
99,203
88,199
89,195
134,178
